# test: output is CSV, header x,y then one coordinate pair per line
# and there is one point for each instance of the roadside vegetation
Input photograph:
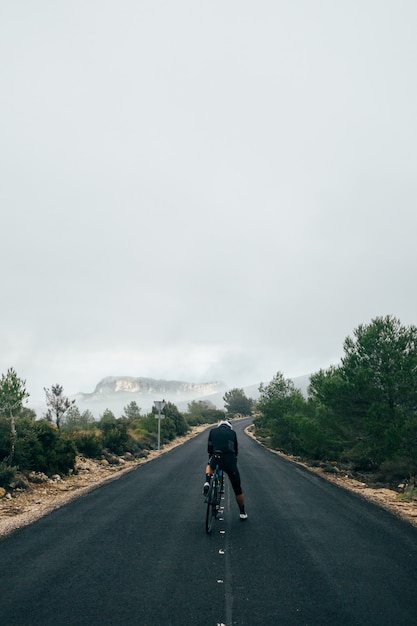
x,y
359,417
50,445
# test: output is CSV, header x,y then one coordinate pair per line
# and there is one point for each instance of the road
x,y
134,551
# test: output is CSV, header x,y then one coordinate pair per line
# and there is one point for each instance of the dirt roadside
x,y
27,505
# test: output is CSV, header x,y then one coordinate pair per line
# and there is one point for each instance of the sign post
x,y
159,406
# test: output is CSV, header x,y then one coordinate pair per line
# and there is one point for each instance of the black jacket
x,y
222,438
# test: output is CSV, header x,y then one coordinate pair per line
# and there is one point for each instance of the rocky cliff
x,y
128,384
114,392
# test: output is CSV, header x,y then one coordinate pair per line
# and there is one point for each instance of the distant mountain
x,y
128,384
115,392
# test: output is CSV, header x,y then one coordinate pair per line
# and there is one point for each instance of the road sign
x,y
159,406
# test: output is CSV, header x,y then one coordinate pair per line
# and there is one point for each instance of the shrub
x,y
397,469
116,438
41,447
89,444
410,493
63,457
4,437
148,441
6,474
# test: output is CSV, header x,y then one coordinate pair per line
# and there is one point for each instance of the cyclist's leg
x,y
234,476
209,474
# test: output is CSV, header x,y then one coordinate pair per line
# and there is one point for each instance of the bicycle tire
x,y
211,508
217,497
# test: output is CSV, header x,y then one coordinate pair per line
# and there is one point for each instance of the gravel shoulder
x,y
27,505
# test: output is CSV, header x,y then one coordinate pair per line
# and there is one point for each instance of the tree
x,y
41,447
278,397
372,395
236,402
74,420
280,404
171,412
203,412
12,395
116,438
132,411
58,404
380,372
381,360
107,417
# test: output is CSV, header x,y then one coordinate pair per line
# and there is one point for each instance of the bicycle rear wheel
x,y
211,506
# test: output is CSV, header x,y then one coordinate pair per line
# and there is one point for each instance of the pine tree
x,y
12,395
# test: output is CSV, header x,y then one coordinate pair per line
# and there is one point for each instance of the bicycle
x,y
213,497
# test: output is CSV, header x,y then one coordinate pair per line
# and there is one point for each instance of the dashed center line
x,y
224,551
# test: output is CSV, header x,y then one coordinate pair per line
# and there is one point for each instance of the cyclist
x,y
222,439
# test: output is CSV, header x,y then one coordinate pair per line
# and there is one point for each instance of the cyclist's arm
x,y
210,445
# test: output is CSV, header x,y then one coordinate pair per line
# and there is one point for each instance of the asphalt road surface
x,y
135,551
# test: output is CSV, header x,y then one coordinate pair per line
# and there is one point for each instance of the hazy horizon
x,y
116,401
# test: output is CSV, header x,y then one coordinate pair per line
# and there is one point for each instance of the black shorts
x,y
228,463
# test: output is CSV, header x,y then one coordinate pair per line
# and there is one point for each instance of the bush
x,y
63,457
397,469
6,474
149,423
116,438
206,417
147,442
168,430
360,457
4,437
410,493
89,444
40,447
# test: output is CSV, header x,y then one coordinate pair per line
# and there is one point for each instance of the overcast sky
x,y
203,190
